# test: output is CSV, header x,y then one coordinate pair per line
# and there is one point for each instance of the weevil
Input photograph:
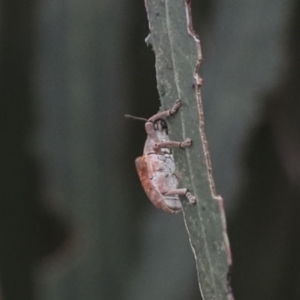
x,y
156,167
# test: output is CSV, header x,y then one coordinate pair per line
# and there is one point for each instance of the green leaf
x,y
178,56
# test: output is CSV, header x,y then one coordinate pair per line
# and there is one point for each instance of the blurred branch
x,y
28,231
178,57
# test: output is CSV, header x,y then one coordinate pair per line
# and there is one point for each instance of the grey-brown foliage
x,y
178,56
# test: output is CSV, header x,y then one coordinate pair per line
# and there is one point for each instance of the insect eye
x,y
161,125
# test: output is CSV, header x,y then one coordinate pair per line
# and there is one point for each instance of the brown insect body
x,y
156,168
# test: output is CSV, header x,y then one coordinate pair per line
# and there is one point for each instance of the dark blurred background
x,y
74,220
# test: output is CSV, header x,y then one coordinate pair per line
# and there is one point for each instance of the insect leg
x,y
190,197
186,143
166,113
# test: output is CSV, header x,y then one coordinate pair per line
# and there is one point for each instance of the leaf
x,y
178,57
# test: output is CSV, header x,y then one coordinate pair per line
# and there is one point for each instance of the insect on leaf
x,y
178,57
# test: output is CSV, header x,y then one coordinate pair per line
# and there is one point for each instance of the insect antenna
x,y
136,118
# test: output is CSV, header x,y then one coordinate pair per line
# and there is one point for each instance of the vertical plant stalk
x,y
178,56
